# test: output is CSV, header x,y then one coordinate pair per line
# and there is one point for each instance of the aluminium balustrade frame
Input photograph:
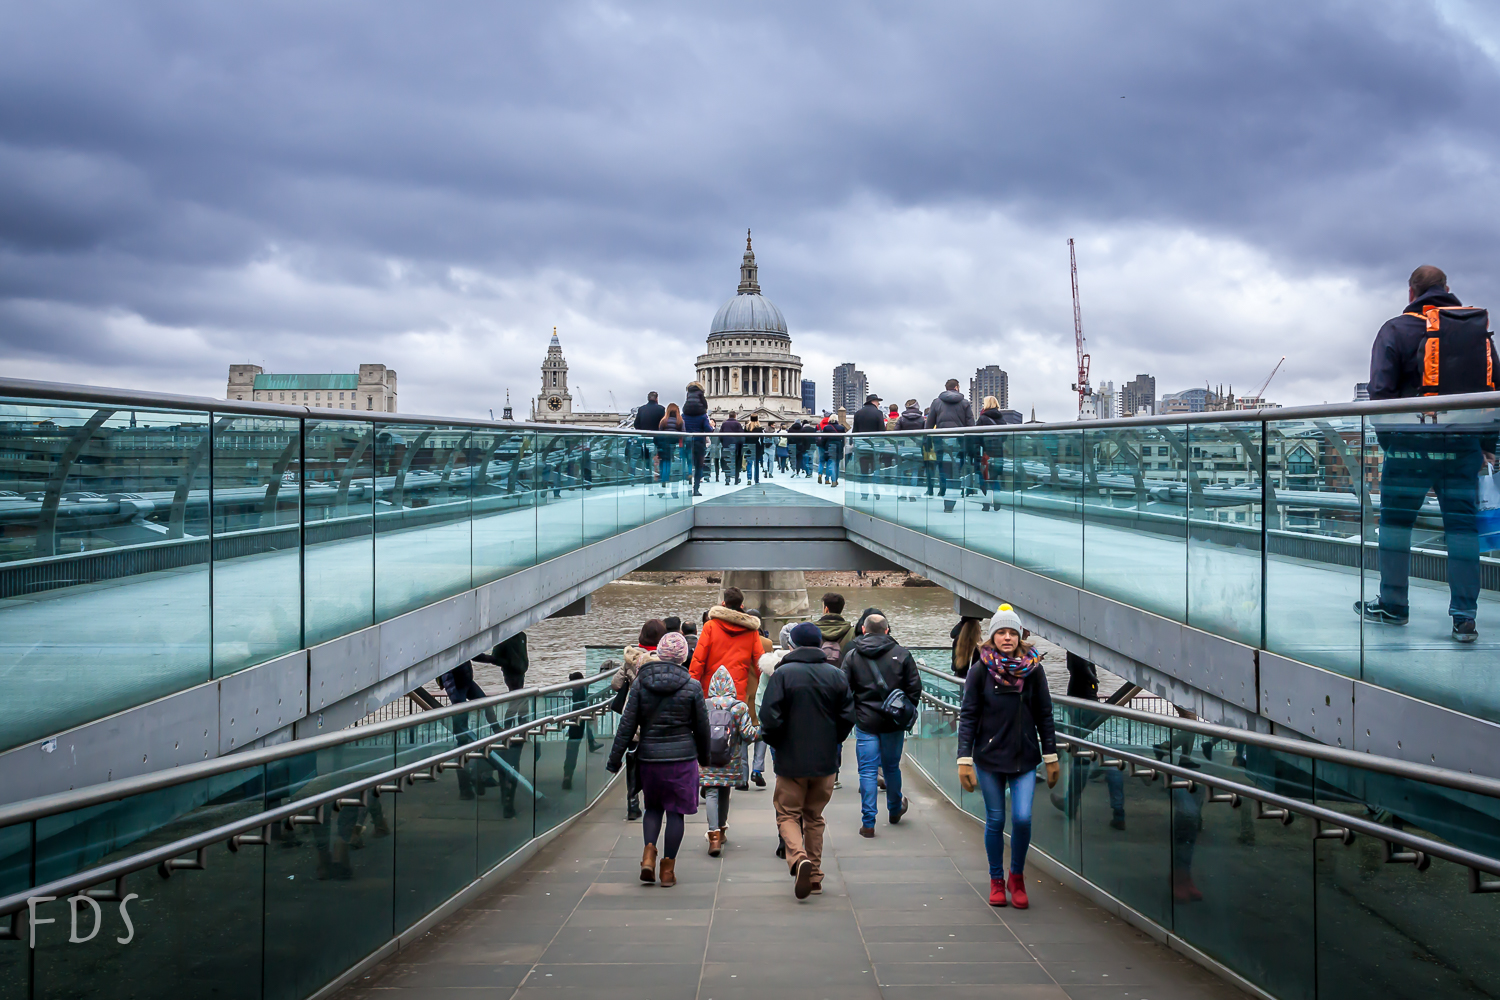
x,y
1430,774
112,791
1343,826
231,833
66,394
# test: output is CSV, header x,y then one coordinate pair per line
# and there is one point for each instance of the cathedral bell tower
x,y
554,400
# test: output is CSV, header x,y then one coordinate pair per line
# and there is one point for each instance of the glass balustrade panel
x,y
1432,556
437,816
504,517
1135,508
15,876
1048,505
104,512
601,474
422,543
1224,529
558,472
339,497
990,528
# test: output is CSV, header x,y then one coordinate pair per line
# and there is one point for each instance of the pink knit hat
x,y
672,648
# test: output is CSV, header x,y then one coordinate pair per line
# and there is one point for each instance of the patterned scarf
x,y
1009,672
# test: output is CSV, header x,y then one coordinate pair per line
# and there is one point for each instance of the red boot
x,y
1017,887
1183,889
997,892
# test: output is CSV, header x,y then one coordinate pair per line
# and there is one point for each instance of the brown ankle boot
x,y
715,843
648,863
668,872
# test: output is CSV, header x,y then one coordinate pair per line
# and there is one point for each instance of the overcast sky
x,y
309,186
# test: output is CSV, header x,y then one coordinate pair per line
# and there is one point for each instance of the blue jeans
x,y
878,751
1022,789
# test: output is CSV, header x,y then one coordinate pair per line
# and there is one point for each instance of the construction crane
x,y
1082,385
1260,393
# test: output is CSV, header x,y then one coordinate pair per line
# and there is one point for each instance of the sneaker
x,y
1374,611
743,786
757,779
905,805
867,832
837,784
804,875
1464,630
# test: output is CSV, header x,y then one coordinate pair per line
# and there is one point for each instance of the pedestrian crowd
x,y
696,720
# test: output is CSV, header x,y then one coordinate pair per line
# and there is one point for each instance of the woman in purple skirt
x,y
666,705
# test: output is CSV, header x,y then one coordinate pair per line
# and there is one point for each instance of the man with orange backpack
x,y
1437,347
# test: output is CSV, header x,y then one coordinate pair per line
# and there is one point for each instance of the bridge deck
x,y
901,916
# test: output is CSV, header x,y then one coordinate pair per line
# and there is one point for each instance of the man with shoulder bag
x,y
887,689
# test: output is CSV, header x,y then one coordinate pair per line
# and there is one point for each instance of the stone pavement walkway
x,y
901,916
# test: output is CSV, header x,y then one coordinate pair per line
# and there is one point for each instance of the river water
x,y
920,617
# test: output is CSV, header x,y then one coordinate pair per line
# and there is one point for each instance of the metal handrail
x,y
65,393
112,791
1367,761
1403,847
230,833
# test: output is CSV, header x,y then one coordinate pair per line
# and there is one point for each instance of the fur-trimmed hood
x,y
736,619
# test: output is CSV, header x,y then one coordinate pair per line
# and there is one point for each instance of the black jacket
x,y
911,420
695,405
648,416
731,429
999,729
866,655
1396,358
667,705
806,714
868,419
950,409
831,437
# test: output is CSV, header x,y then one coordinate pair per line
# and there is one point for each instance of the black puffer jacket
x,y
667,705
912,419
806,713
866,655
695,405
1396,359
950,409
1001,729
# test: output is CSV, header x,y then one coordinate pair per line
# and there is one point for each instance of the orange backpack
x,y
1456,353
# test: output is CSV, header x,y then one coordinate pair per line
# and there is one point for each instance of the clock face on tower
x,y
554,403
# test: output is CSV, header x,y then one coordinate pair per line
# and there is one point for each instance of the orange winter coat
x,y
729,639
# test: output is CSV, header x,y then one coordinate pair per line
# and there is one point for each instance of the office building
x,y
849,387
1138,396
809,396
991,380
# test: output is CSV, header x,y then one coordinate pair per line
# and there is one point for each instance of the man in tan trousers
x,y
805,715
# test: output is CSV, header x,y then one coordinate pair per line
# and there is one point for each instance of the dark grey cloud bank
x,y
463,171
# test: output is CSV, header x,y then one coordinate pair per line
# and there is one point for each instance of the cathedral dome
x,y
749,311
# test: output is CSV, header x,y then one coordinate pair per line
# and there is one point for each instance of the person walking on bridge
x,y
877,668
1436,347
730,638
695,416
666,708
667,447
867,420
949,409
648,418
730,729
1006,712
806,715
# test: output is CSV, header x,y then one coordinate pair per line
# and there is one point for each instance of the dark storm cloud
x,y
146,151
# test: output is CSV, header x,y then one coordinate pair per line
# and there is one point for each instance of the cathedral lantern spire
x,y
748,271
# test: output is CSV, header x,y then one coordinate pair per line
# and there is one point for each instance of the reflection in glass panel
x,y
1136,533
175,950
436,820
103,512
257,588
329,882
504,518
600,467
1371,910
1427,560
1049,500
916,471
422,517
1223,482
558,497
992,529
953,461
339,495
1313,498
15,876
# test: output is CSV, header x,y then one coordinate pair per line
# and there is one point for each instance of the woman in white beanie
x,y
1005,729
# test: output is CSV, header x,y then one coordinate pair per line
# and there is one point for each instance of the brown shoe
x,y
867,832
817,886
668,872
804,874
648,863
715,843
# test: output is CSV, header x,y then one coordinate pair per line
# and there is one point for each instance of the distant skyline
x,y
185,187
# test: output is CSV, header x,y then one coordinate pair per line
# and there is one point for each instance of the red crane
x,y
1082,385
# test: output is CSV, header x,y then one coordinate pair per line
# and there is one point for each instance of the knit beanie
x,y
785,636
807,634
1005,617
672,648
